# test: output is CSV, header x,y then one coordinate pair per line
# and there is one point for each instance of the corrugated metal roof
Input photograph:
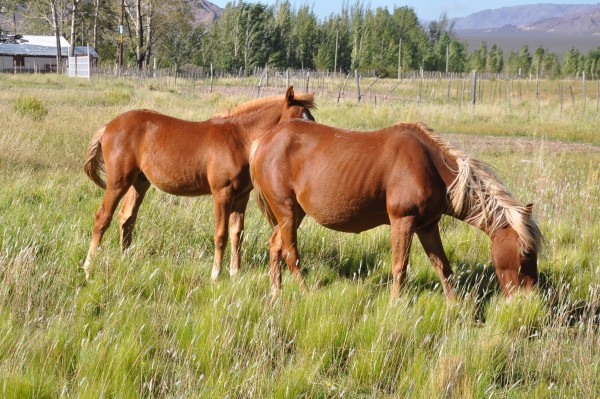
x,y
46,41
42,46
29,50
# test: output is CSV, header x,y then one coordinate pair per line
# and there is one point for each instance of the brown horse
x,y
141,148
406,176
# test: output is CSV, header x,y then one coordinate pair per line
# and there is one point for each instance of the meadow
x,y
151,324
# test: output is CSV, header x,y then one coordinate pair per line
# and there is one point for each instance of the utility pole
x,y
121,32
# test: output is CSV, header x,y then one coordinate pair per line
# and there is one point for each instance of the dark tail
x,y
263,205
94,161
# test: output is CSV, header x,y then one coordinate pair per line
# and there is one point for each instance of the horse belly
x,y
347,216
186,184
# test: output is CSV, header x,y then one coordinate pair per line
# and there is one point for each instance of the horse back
x,y
349,180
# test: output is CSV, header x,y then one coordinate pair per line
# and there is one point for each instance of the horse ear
x,y
289,95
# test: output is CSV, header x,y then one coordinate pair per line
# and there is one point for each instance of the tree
x,y
306,36
412,36
495,59
571,63
520,63
478,58
74,5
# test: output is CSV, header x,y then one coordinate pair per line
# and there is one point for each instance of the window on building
x,y
19,60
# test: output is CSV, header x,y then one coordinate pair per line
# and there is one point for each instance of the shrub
x,y
30,107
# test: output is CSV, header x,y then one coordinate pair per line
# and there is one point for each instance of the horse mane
x,y
303,99
481,198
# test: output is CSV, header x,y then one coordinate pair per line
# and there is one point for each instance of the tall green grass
x,y
150,323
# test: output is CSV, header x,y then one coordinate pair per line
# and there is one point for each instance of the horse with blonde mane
x,y
141,148
405,175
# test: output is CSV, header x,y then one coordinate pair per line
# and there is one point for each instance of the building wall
x,y
31,64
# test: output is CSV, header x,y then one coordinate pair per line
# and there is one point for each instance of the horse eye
x,y
307,116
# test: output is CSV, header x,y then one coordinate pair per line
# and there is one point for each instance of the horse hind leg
x,y
402,233
223,200
432,244
289,241
129,210
104,215
236,232
274,263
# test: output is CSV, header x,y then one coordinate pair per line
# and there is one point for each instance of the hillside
x,y
519,15
205,12
555,27
587,22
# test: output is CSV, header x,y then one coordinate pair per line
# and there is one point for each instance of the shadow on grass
x,y
556,288
472,279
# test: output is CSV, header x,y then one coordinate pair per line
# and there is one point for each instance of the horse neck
x,y
256,124
475,194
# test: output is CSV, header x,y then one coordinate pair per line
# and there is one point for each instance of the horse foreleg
x,y
432,244
222,203
402,233
111,199
236,232
129,211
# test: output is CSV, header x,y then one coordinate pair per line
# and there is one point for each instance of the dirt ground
x,y
484,143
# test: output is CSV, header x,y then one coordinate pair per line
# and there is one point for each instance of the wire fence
x,y
567,95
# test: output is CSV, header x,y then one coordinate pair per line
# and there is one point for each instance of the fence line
x,y
415,87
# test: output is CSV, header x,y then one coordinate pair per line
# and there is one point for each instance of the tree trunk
x,y
56,26
139,32
96,8
73,20
149,31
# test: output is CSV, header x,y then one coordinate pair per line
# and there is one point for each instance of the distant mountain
x,y
519,16
584,23
205,12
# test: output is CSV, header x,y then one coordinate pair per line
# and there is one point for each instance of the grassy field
x,y
151,324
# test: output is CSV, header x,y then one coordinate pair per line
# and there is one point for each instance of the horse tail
x,y
94,166
263,205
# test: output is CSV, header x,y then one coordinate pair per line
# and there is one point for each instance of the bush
x,y
30,107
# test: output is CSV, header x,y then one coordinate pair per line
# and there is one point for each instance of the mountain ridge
x,y
521,16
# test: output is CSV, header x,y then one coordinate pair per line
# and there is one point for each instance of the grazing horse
x,y
404,175
141,148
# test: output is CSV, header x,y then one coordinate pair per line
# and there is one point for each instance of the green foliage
x,y
30,107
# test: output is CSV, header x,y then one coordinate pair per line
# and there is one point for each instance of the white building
x,y
36,54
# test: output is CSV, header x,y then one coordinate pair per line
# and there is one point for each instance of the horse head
x,y
297,106
515,259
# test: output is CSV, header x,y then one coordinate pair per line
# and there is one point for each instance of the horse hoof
x,y
86,270
214,276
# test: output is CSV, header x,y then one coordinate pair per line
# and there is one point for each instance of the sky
x,y
427,10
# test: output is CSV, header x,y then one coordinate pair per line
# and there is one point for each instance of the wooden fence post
x,y
560,97
507,93
211,77
357,86
473,87
584,90
307,81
